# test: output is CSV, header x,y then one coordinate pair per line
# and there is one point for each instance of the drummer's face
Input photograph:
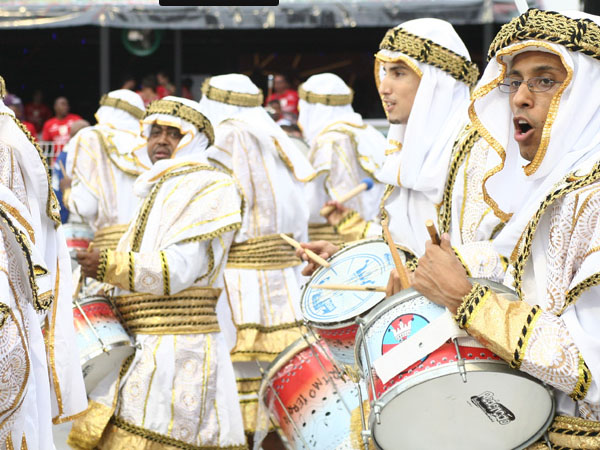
x,y
162,142
398,89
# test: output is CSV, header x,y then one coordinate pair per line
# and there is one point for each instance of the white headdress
x,y
570,136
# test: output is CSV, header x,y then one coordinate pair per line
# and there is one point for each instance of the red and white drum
x,y
78,237
308,400
460,396
332,314
102,341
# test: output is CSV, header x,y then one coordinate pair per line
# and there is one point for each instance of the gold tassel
x,y
356,427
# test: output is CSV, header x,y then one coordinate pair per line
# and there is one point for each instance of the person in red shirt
x,y
37,112
14,103
148,91
58,128
288,97
165,87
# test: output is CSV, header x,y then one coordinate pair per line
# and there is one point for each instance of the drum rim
x,y
408,294
451,369
89,298
305,288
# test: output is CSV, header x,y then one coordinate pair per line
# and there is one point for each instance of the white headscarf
x,y
235,96
570,138
419,151
119,114
197,131
438,113
325,99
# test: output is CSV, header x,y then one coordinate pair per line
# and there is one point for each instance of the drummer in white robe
x,y
178,389
39,384
101,163
343,150
533,106
262,276
424,74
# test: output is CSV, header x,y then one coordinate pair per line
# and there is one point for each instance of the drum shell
x,y
104,346
313,398
443,396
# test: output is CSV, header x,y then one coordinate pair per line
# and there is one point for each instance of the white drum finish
x,y
428,406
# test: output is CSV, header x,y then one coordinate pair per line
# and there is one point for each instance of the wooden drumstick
x,y
404,282
312,255
348,287
364,185
435,238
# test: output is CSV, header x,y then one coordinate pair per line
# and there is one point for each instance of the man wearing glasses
x,y
534,107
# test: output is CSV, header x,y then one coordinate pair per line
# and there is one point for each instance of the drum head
x,y
98,367
498,408
365,263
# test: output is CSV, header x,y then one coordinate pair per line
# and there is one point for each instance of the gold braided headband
x,y
578,35
326,99
121,104
231,97
173,108
2,88
428,52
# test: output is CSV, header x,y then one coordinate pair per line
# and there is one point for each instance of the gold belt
x,y
324,232
108,237
191,311
262,253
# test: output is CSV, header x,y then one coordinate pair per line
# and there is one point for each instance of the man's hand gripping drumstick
x,y
398,277
440,275
302,250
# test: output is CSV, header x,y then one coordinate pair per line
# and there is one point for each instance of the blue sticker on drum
x,y
357,267
400,329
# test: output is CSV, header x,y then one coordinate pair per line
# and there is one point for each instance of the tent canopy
x,y
144,14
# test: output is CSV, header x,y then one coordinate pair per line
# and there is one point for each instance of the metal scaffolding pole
x,y
177,62
104,60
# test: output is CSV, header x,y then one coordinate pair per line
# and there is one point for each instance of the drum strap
x,y
419,345
262,253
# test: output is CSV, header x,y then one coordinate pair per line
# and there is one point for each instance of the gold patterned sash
x,y
571,433
262,253
108,237
324,232
191,311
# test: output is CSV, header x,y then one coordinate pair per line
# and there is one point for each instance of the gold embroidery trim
x,y
184,112
261,342
325,99
583,382
191,311
461,150
262,253
429,52
52,206
462,261
574,294
108,237
579,35
142,218
123,105
131,272
2,88
526,331
383,215
522,252
248,385
111,151
165,271
119,430
324,232
231,97
471,303
17,215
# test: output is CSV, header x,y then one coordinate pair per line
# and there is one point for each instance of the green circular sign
x,y
141,42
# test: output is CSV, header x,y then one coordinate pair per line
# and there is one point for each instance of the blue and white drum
x,y
332,314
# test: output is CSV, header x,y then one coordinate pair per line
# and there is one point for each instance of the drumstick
x,y
435,238
404,283
348,287
312,255
364,185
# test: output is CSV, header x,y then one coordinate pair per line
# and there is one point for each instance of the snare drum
x,y
78,237
460,396
307,398
102,341
332,314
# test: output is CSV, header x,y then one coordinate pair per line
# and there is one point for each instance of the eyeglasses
x,y
535,84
